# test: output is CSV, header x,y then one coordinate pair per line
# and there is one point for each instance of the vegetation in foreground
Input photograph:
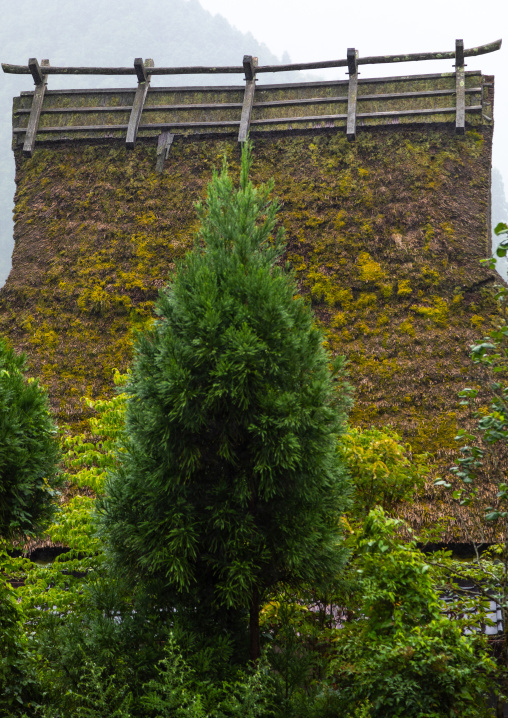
x,y
201,587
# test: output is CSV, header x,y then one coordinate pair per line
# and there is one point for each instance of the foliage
x,y
59,593
178,692
28,449
302,627
483,455
60,584
97,695
89,461
101,643
383,470
228,479
402,653
381,642
19,691
28,481
492,354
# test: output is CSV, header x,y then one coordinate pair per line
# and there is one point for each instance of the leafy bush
x,y
28,449
383,470
402,653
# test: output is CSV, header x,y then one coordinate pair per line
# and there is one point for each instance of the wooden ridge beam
x,y
203,70
139,100
249,64
352,60
41,81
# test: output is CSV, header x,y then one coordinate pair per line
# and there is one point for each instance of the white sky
x,y
323,30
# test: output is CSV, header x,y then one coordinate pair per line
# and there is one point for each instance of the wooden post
x,y
249,64
140,69
460,88
35,70
163,145
352,63
41,81
139,100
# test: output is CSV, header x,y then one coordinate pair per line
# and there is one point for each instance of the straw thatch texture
x,y
385,236
104,114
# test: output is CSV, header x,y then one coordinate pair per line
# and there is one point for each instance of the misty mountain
x,y
113,33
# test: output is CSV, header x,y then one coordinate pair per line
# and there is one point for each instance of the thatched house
x,y
385,233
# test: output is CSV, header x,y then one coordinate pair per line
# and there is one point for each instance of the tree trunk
x,y
255,649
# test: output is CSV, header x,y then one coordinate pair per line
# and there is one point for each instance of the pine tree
x,y
28,449
228,479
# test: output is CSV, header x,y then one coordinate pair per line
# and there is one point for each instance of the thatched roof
x,y
385,235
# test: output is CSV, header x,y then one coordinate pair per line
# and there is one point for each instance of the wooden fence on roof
x,y
159,112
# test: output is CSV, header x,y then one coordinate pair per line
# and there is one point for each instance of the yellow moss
x,y
406,327
94,300
370,270
404,288
430,276
298,262
146,219
45,337
314,222
477,321
437,312
339,320
429,235
366,299
362,328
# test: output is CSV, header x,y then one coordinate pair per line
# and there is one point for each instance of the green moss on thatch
x,y
384,234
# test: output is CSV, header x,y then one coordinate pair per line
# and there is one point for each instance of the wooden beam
x,y
140,69
35,112
382,59
163,146
250,64
352,62
35,70
236,123
201,70
335,99
139,102
460,94
459,53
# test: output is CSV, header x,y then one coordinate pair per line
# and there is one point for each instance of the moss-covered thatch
x,y
385,235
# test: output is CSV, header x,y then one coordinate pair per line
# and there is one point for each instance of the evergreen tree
x,y
228,479
28,474
28,449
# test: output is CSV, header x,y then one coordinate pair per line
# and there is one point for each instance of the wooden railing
x,y
145,70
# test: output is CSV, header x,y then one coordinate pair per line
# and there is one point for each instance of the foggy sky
x,y
324,29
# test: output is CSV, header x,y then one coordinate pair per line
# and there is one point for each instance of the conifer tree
x,y
228,479
28,449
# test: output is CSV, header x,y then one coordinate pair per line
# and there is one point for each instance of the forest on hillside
x,y
182,33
